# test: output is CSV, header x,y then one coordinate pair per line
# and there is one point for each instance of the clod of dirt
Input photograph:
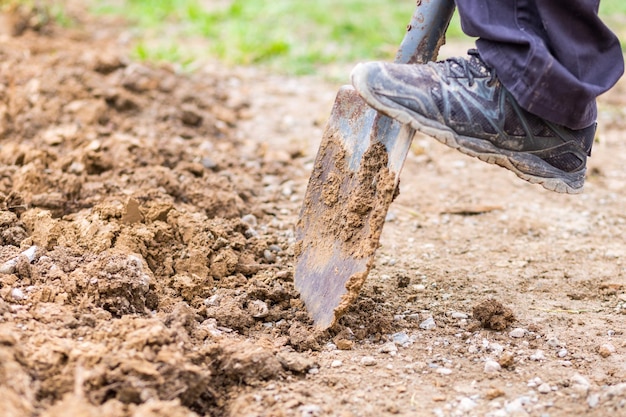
x,y
493,315
247,363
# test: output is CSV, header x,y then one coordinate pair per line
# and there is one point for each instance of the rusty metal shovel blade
x,y
354,181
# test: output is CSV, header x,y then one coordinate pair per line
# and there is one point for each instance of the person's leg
x,y
554,56
466,104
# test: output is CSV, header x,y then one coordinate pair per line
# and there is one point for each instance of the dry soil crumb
x,y
493,315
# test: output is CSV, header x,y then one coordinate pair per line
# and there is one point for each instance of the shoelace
x,y
460,67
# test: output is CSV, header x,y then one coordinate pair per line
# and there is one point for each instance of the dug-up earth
x,y
147,231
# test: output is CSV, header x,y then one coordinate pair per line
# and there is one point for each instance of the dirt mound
x,y
138,231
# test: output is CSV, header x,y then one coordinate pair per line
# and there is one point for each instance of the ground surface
x,y
146,224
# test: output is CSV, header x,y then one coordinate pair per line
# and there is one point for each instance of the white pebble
x,y
544,388
17,294
390,348
517,333
538,356
496,348
562,353
466,404
492,367
428,324
593,400
459,315
368,361
580,384
401,339
554,342
336,364
310,410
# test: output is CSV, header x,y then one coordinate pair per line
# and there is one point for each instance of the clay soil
x,y
147,237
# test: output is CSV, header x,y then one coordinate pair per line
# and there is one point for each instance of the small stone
x,y
428,324
314,371
336,364
538,356
458,315
368,361
269,256
390,348
593,400
310,410
249,219
17,294
492,367
580,384
517,333
562,353
443,371
466,404
606,350
544,388
555,342
401,339
258,309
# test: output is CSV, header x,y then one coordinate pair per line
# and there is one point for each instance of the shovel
x,y
354,180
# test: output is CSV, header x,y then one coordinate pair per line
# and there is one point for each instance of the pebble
x,y
538,356
544,388
389,347
250,220
562,353
492,367
459,315
580,384
466,404
336,364
401,339
310,410
517,333
269,256
443,371
516,407
606,350
428,324
17,294
593,400
368,361
555,343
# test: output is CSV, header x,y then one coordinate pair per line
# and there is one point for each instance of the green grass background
x,y
289,36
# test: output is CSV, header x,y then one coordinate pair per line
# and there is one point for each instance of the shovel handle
x,y
426,32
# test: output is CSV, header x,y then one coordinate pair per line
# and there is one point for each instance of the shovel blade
x,y
354,181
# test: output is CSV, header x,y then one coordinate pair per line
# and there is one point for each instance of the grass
x,y
291,36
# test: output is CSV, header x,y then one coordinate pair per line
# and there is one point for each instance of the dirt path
x,y
146,224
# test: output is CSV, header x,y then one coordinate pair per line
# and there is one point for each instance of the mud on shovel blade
x,y
354,180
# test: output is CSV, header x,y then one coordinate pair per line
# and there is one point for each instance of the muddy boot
x,y
461,103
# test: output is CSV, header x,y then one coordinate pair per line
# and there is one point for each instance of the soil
x,y
147,228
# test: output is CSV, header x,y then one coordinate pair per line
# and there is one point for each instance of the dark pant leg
x,y
554,56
